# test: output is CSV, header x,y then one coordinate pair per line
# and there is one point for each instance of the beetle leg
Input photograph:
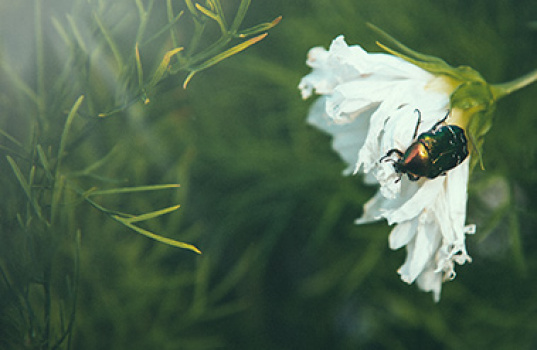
x,y
385,158
396,151
412,177
390,152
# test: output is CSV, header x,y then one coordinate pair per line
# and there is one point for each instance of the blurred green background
x,y
262,195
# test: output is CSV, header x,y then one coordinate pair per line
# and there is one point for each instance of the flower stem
x,y
501,90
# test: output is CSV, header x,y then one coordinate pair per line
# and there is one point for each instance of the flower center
x,y
443,84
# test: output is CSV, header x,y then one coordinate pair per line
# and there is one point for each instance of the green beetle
x,y
432,153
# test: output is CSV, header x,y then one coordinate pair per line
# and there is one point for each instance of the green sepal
x,y
472,94
431,64
477,101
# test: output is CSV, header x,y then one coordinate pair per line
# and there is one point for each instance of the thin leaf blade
x,y
158,238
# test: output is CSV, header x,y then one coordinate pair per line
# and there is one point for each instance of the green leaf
x,y
43,159
144,15
234,274
61,31
217,15
129,220
11,138
96,165
19,83
25,187
65,132
239,17
139,69
516,241
152,215
171,22
223,55
110,41
201,287
85,196
191,8
77,34
207,12
59,185
263,27
432,64
59,180
163,30
163,67
149,234
406,50
221,16
132,189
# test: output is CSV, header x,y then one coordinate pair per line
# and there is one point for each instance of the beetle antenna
x,y
443,120
418,124
447,115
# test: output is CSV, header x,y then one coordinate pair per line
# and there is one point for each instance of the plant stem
x,y
501,90
47,305
40,61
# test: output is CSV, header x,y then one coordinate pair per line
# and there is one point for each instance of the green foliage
x,y
81,61
283,266
327,283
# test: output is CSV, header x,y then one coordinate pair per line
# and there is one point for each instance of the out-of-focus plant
x,y
90,60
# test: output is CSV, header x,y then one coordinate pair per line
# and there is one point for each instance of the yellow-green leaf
x,y
158,238
263,27
25,186
223,55
151,215
133,189
139,69
163,67
239,17
66,128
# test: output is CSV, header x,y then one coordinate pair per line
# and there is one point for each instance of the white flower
x,y
368,103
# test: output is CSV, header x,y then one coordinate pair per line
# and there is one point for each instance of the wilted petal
x,y
402,234
347,138
379,206
421,250
341,109
424,197
390,186
430,281
373,209
457,196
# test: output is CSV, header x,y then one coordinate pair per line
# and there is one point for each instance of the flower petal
x,y
430,281
373,210
402,234
347,138
422,249
424,197
457,196
379,206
